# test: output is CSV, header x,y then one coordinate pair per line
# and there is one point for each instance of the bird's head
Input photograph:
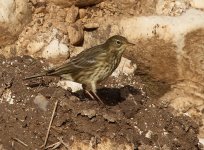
x,y
117,43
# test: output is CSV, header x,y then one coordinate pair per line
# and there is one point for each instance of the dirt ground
x,y
131,114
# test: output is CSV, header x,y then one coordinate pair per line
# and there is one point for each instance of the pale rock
x,y
82,13
165,27
125,67
172,7
49,43
91,26
149,134
104,144
66,84
201,140
41,102
197,4
72,14
89,113
14,15
75,33
35,46
181,104
55,49
109,118
7,96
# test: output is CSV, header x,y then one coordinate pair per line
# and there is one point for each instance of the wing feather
x,y
84,60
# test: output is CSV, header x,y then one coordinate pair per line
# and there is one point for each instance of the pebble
x,y
41,101
91,26
109,118
90,113
82,13
76,34
72,14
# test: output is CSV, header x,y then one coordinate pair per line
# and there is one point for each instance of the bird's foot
x,y
94,96
97,98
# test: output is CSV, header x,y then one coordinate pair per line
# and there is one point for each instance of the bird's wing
x,y
84,60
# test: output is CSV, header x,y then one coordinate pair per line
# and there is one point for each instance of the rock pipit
x,y
91,66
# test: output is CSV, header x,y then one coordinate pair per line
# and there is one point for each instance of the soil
x,y
131,113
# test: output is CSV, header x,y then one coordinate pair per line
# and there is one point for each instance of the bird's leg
x,y
92,93
87,92
93,86
97,97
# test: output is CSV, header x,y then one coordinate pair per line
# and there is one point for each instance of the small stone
x,y
7,96
91,26
82,13
76,34
125,67
72,14
109,118
90,113
66,84
41,101
149,134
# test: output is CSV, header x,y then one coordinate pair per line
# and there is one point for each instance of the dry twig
x,y
60,139
51,120
54,146
21,142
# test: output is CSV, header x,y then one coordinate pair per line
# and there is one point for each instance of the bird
x,y
92,65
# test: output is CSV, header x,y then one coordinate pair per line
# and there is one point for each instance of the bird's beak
x,y
130,44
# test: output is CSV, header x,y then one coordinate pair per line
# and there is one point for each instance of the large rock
x,y
14,15
161,49
47,45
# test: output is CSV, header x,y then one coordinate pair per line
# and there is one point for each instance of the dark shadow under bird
x,y
91,66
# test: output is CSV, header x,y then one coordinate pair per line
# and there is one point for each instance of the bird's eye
x,y
118,42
